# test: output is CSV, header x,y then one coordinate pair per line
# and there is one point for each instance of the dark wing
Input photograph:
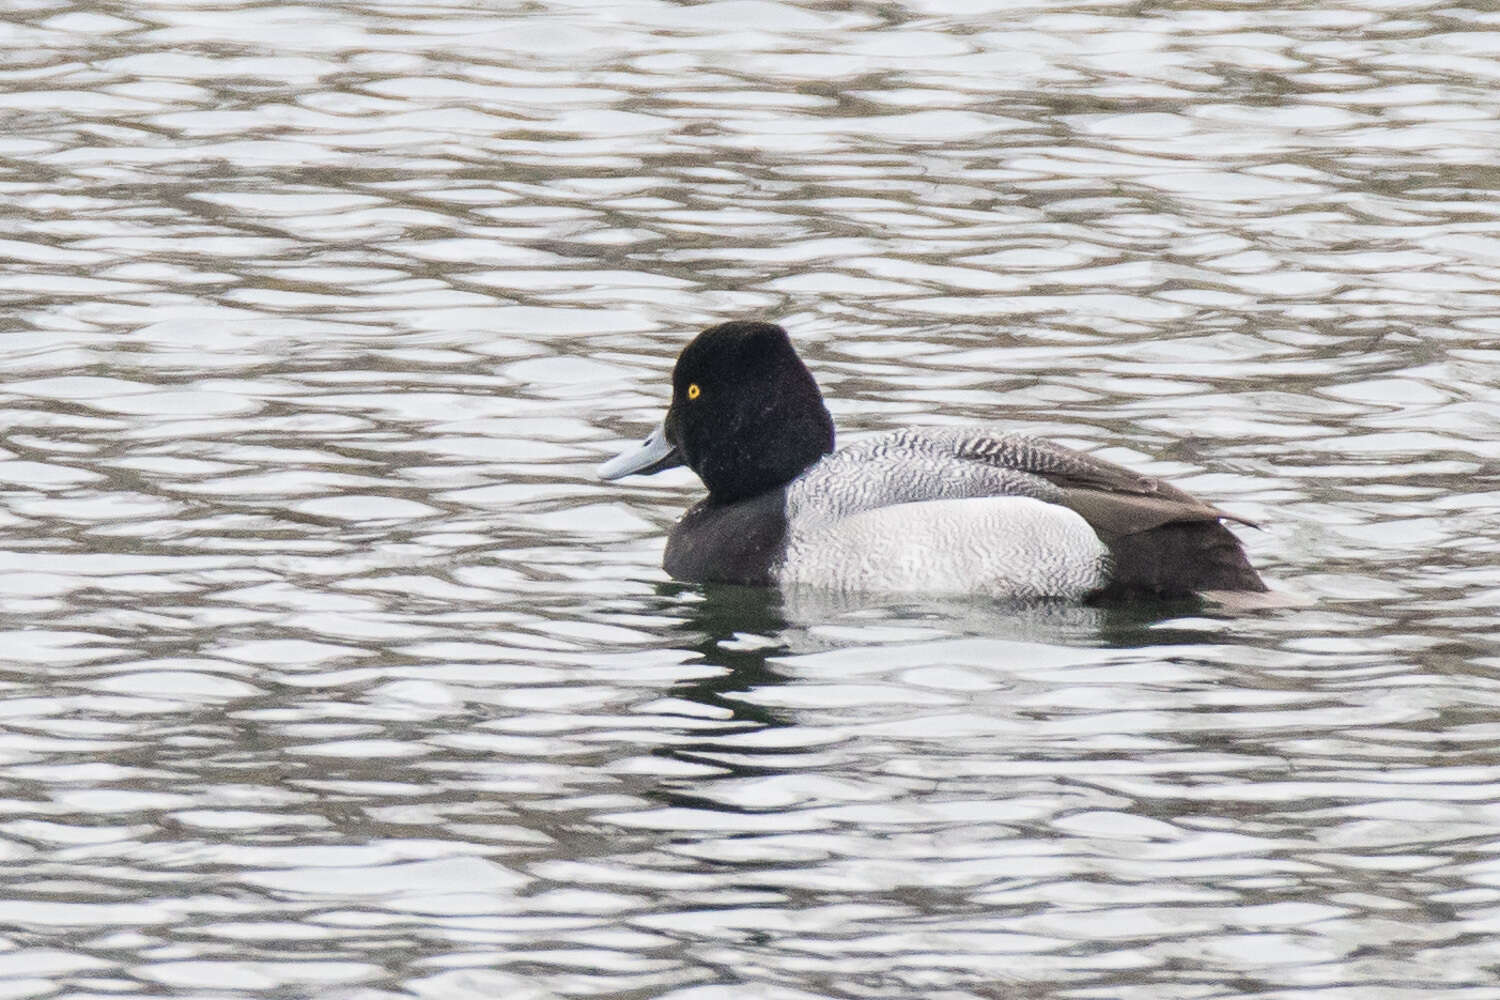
x,y
1110,497
1164,541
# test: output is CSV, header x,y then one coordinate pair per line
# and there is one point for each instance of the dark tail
x,y
1178,559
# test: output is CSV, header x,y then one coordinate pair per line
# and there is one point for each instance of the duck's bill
x,y
655,454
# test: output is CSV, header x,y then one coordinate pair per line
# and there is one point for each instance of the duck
x,y
975,511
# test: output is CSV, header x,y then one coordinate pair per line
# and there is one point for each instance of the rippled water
x,y
329,669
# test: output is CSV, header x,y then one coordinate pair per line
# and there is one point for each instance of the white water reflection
x,y
330,669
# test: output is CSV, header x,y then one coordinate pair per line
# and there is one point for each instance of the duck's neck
x,y
771,452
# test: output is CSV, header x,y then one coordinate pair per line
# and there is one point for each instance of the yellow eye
x,y
693,391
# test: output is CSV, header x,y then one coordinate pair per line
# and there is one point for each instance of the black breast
x,y
729,543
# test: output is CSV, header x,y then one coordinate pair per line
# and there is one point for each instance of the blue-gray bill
x,y
655,454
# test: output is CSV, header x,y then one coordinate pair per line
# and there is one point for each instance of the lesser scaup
x,y
938,510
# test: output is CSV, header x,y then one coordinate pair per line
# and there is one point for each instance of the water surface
x,y
330,669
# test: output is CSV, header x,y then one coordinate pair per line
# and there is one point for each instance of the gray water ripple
x,y
331,669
